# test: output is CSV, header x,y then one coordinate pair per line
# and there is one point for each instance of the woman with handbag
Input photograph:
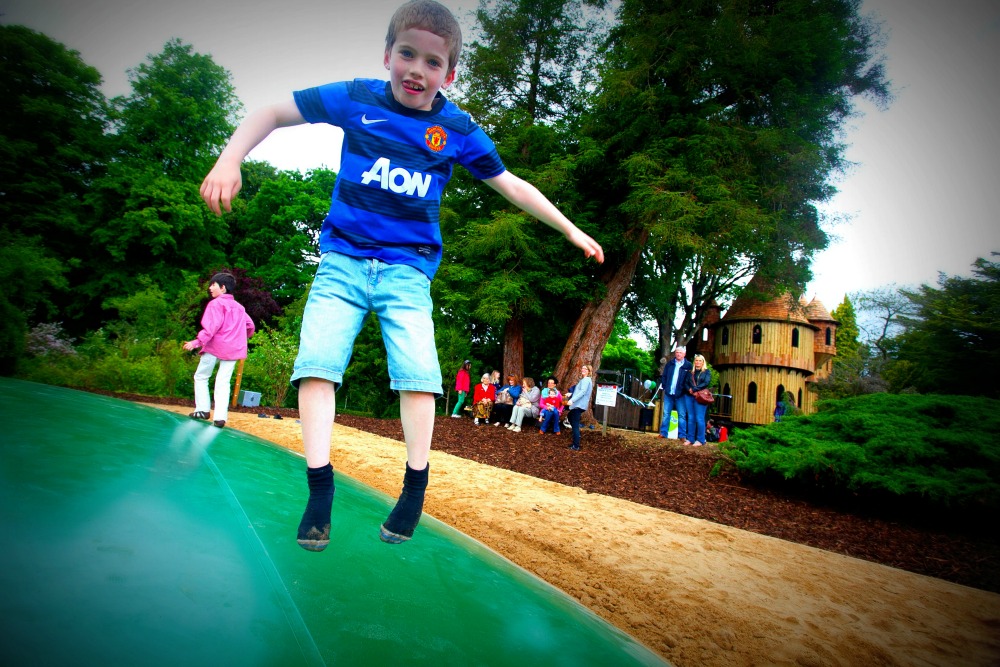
x,y
699,396
504,404
526,405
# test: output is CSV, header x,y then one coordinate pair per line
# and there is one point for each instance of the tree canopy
x,y
52,147
952,338
718,133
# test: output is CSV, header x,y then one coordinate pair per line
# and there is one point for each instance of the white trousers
x,y
202,402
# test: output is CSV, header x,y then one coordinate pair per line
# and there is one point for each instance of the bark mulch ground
x,y
661,473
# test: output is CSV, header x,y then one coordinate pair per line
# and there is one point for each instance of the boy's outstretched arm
x,y
527,197
224,181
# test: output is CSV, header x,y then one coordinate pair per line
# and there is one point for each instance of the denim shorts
x,y
344,291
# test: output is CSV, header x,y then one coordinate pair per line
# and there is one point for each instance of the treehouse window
x,y
800,398
725,335
829,336
795,337
752,393
756,334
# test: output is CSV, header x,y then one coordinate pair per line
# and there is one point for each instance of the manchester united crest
x,y
435,137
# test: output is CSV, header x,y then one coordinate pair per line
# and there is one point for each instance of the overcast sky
x,y
924,196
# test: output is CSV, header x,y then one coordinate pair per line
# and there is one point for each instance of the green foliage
x,y
932,449
179,115
51,135
855,370
120,364
848,344
52,147
623,352
366,381
717,125
514,284
952,340
274,228
269,365
28,276
146,216
526,63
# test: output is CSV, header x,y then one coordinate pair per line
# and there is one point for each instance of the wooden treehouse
x,y
764,348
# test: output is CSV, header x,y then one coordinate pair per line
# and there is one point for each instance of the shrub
x,y
937,450
47,339
269,365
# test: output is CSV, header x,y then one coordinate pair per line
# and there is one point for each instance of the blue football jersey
x,y
394,165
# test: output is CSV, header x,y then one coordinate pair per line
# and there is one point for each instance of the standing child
x,y
462,381
225,328
381,241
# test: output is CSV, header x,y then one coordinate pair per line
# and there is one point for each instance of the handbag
x,y
704,397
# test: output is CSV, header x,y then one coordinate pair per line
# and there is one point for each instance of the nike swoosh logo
x,y
365,120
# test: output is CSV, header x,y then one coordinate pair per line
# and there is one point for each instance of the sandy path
x,y
696,592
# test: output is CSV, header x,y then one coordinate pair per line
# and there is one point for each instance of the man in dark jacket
x,y
672,383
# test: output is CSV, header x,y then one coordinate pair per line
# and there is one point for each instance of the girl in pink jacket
x,y
462,381
225,328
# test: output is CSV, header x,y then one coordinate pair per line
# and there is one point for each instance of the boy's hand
x,y
221,185
224,181
590,247
527,197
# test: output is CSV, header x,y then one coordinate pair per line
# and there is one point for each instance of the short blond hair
x,y
431,16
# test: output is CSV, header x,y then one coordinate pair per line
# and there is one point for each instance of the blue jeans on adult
x,y
680,404
696,420
574,421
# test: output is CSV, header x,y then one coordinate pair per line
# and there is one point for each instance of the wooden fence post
x,y
236,385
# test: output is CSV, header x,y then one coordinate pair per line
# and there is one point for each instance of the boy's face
x,y
418,68
215,290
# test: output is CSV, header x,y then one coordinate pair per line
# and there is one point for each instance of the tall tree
x,y
883,311
52,148
524,82
953,338
147,216
848,335
526,65
51,135
275,224
855,370
717,133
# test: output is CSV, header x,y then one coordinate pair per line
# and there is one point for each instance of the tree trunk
x,y
593,328
513,348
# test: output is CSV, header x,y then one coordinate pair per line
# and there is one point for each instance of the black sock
x,y
314,529
406,514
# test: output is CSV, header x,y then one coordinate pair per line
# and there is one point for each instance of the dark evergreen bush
x,y
937,451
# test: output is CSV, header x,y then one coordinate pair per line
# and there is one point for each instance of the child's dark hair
x,y
430,16
226,280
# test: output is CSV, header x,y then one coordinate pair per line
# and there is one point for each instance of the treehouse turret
x,y
765,346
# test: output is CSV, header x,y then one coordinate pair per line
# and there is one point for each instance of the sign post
x,y
607,395
236,385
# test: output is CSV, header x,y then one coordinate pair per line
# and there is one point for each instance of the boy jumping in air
x,y
381,243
